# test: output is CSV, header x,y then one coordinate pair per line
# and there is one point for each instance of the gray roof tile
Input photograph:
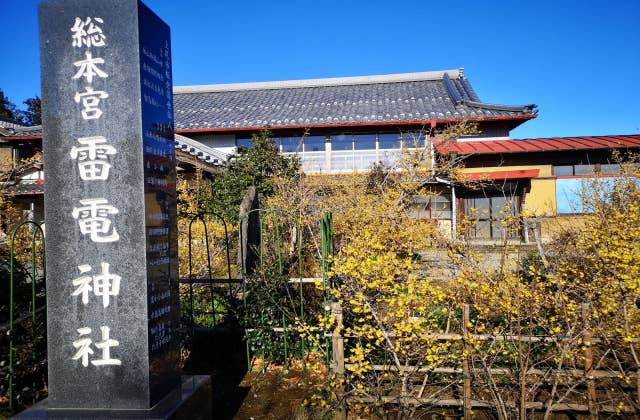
x,y
372,99
21,131
200,151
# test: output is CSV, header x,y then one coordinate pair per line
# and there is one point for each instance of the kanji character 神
x,y
104,284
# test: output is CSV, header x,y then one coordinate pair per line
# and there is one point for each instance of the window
x,y
563,170
291,144
314,143
341,142
583,170
415,139
440,207
364,141
389,141
489,214
244,142
578,170
432,206
610,169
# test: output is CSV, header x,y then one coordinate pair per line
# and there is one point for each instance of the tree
x,y
31,116
403,287
33,113
255,166
7,108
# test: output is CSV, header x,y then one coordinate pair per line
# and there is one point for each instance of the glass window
x,y
341,142
342,161
389,141
390,157
568,198
291,144
244,142
483,229
477,207
563,170
583,170
440,206
313,162
314,143
364,141
498,205
364,160
610,169
415,139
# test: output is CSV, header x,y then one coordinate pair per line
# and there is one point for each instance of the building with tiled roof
x,y
21,164
342,125
543,175
370,101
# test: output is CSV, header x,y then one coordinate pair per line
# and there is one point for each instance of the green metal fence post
x,y
11,294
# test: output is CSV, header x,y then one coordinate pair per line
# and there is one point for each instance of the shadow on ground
x,y
220,352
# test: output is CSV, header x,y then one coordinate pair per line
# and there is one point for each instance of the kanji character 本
x,y
105,345
93,220
104,284
92,157
88,68
84,346
86,32
90,100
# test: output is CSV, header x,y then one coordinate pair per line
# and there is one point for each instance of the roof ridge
x,y
333,81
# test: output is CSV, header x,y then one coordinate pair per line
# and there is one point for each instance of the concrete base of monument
x,y
193,402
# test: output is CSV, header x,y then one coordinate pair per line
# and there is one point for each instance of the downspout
x,y
454,209
525,224
432,150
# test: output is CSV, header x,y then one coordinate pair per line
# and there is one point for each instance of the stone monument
x,y
110,210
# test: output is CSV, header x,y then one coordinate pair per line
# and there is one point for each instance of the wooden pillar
x,y
466,363
337,363
588,362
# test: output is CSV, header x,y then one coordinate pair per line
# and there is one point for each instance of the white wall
x,y
225,143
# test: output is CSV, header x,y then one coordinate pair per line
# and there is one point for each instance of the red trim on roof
x,y
540,145
500,175
358,124
335,125
21,137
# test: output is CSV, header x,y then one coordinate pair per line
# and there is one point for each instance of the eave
x,y
406,123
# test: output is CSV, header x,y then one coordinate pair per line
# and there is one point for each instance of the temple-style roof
x,y
407,98
9,124
200,151
540,144
12,131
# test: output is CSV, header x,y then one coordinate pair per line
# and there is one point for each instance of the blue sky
x,y
579,61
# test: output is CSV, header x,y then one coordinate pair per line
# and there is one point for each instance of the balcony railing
x,y
342,161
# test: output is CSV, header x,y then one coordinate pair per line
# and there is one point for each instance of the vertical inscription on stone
x,y
110,200
160,195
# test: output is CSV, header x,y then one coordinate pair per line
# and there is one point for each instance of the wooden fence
x,y
588,375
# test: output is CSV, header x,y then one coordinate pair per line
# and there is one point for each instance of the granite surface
x,y
192,401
